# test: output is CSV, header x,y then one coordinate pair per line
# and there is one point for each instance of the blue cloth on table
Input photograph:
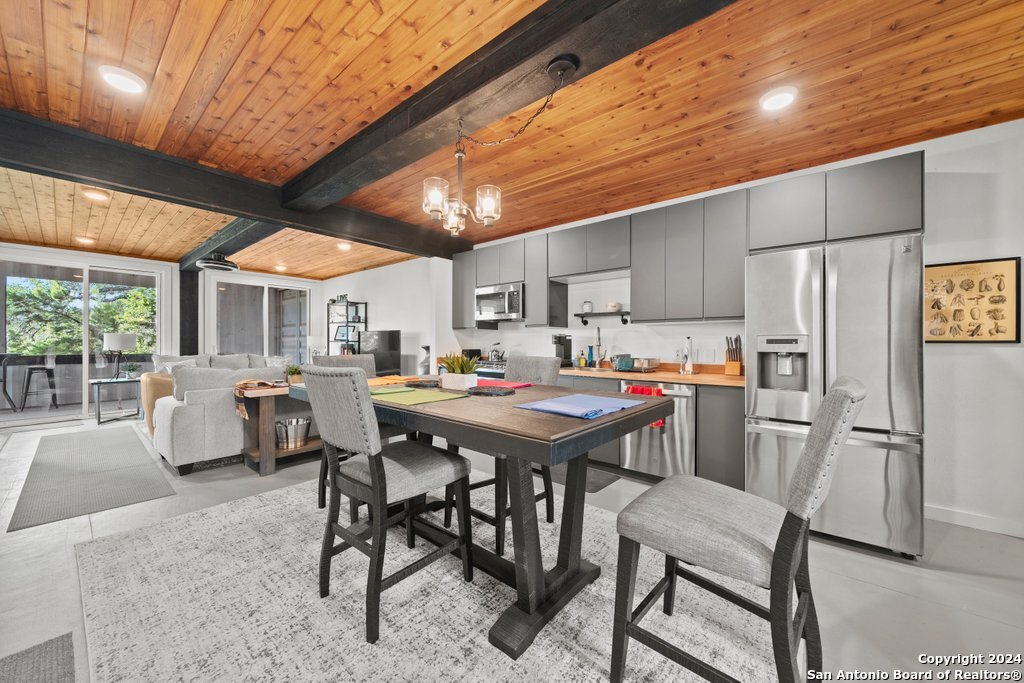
x,y
583,406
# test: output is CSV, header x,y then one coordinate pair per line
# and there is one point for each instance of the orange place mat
x,y
390,379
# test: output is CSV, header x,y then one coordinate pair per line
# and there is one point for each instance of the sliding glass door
x,y
260,319
52,340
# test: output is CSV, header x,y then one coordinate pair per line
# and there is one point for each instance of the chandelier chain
x,y
522,129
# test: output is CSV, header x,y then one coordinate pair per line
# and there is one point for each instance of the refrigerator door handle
x,y
831,310
791,431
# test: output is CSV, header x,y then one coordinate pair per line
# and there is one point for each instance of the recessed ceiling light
x,y
778,98
96,194
122,79
280,269
82,239
344,246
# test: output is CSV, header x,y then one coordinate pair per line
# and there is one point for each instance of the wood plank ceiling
x,y
264,88
261,88
49,212
318,257
682,116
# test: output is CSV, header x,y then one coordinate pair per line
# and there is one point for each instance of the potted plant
x,y
294,373
131,370
459,372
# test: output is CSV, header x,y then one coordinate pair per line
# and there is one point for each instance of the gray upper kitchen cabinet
x,y
547,301
647,283
684,261
608,245
488,261
511,266
725,247
720,437
567,251
875,198
786,212
464,290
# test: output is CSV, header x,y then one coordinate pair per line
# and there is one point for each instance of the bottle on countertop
x,y
581,361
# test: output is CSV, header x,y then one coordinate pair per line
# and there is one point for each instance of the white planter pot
x,y
450,380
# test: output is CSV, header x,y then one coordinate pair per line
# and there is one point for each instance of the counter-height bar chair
x,y
699,523
541,370
390,478
368,363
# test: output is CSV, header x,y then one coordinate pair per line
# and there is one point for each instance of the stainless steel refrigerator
x,y
814,314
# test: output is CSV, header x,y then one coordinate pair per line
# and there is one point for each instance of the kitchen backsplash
x,y
661,340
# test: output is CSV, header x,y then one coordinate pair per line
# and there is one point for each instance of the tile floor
x,y
877,611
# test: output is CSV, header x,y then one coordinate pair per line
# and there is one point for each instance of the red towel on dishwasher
x,y
502,383
647,391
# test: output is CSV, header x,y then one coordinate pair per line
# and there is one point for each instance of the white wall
x,y
402,297
974,394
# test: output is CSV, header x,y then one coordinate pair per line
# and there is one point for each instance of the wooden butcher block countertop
x,y
668,373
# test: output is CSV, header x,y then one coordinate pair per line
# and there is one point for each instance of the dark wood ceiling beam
x,y
499,79
37,146
237,235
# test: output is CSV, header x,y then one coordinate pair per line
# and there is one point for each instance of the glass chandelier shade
x,y
435,197
488,204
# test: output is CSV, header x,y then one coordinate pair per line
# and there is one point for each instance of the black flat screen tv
x,y
386,347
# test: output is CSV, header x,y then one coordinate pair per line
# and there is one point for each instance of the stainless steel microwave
x,y
499,303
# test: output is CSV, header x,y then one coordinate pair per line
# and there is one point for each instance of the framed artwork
x,y
341,333
972,302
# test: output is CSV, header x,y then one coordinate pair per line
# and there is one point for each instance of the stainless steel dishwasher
x,y
668,448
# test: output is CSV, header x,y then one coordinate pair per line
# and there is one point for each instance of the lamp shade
x,y
114,341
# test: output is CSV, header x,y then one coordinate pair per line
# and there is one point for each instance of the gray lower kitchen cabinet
x,y
567,252
487,266
725,248
787,212
875,198
464,290
720,435
647,281
547,302
608,245
684,261
607,453
511,262
565,381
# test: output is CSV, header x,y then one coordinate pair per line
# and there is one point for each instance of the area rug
x,y
230,593
52,662
87,471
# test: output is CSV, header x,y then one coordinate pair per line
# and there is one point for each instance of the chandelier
x,y
453,212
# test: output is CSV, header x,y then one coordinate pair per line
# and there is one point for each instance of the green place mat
x,y
415,397
389,390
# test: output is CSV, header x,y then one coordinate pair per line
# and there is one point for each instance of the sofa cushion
x,y
231,361
169,365
257,361
191,379
160,361
277,361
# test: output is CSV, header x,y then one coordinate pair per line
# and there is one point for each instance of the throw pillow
x,y
278,361
235,361
187,363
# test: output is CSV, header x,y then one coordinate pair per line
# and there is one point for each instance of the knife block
x,y
733,367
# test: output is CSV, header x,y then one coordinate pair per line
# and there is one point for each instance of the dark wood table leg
x,y
542,595
267,436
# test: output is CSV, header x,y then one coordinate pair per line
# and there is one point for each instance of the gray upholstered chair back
x,y
366,361
533,369
340,398
828,433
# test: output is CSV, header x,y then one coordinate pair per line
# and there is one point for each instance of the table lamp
x,y
119,343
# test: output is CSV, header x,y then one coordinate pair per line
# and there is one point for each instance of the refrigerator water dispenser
x,y
782,362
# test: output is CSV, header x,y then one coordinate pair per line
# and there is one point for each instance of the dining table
x,y
497,427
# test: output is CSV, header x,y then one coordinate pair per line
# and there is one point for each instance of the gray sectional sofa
x,y
197,422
